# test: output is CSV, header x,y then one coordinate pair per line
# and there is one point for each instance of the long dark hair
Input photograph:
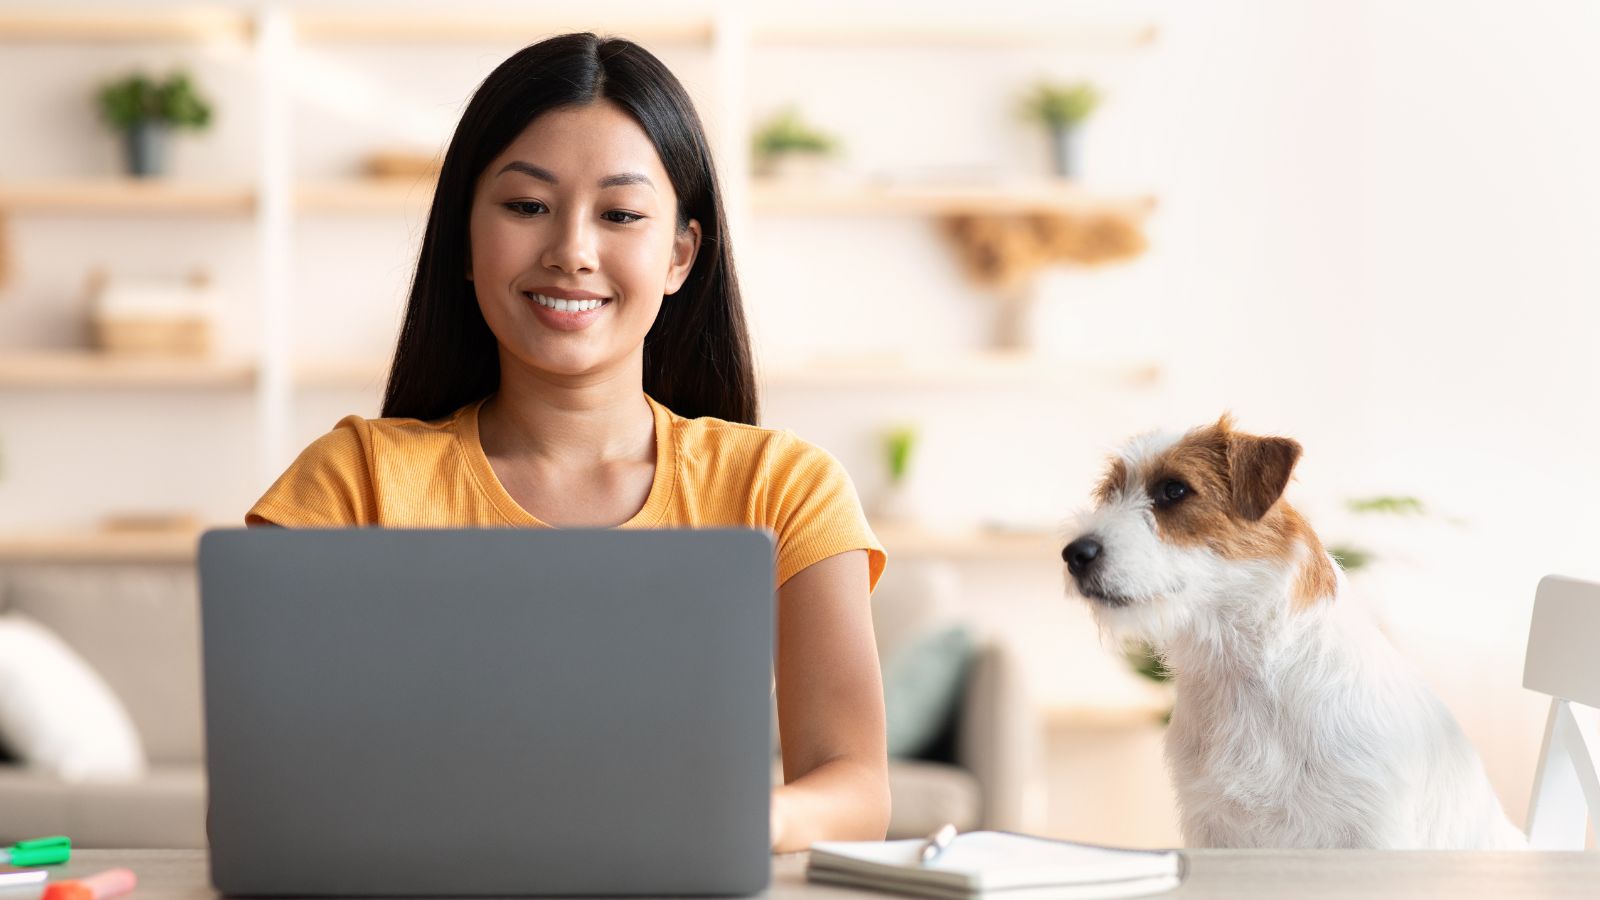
x,y
697,354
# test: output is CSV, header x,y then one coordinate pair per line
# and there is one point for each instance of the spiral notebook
x,y
998,864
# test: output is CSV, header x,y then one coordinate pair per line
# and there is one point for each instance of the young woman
x,y
574,354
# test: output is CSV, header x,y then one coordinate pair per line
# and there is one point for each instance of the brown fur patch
x,y
1235,507
1114,483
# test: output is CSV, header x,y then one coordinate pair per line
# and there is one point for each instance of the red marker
x,y
110,883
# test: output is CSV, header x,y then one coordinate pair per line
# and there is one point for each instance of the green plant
x,y
1351,557
1059,105
898,444
1385,504
786,132
137,98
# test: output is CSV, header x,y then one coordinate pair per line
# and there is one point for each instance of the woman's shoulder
x,y
711,436
357,441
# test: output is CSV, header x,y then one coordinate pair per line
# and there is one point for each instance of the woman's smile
x,y
566,315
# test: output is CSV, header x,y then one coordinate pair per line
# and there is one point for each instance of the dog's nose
x,y
1081,554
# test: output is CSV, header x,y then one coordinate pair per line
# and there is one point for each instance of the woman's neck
x,y
593,422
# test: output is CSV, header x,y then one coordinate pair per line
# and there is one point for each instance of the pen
x,y
936,843
18,879
99,886
45,851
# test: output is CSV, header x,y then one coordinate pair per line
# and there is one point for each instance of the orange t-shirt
x,y
407,473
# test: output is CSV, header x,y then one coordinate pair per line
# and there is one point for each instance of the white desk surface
x,y
1356,874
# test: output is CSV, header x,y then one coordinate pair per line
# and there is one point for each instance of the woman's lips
x,y
565,320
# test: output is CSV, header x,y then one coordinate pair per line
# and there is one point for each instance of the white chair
x,y
1564,662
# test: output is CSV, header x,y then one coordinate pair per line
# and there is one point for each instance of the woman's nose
x,y
571,247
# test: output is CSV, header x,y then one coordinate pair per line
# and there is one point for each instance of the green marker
x,y
45,851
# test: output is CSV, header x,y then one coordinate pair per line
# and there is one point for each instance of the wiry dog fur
x,y
1297,724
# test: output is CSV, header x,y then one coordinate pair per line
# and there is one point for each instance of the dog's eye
x,y
1171,491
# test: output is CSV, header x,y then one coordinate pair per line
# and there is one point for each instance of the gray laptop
x,y
488,712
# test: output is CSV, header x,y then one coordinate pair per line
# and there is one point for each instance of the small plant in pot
x,y
786,146
1062,108
895,504
146,111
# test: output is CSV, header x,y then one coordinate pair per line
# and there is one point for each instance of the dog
x,y
1296,723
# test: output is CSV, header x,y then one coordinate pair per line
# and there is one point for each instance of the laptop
x,y
488,712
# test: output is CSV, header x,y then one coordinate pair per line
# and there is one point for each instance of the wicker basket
x,y
153,336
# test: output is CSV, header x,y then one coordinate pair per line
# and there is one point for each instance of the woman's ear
x,y
685,247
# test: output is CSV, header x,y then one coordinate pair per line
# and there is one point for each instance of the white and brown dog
x,y
1297,724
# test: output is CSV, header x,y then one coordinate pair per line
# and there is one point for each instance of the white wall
x,y
1375,234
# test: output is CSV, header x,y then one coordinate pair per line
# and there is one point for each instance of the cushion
x,y
138,626
56,713
922,684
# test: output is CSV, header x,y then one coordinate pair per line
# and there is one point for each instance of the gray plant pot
x,y
1064,140
146,149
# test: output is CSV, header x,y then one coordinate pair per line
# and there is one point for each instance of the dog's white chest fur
x,y
1309,730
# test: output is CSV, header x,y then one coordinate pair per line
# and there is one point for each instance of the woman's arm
x,y
830,709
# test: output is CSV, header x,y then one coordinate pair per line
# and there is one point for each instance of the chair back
x,y
1564,662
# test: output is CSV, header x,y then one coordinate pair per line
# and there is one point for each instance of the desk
x,y
1356,874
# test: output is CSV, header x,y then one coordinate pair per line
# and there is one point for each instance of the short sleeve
x,y
815,511
329,485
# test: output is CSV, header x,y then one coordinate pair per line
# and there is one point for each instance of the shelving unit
x,y
275,201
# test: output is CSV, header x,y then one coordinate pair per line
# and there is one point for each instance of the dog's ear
x,y
1259,469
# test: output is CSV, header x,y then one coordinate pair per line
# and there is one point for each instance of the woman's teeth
x,y
566,305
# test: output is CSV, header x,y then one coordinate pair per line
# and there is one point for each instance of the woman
x,y
574,354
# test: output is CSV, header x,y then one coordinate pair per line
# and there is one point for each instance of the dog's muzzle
x,y
1080,556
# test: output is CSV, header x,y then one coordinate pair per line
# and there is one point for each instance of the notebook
x,y
997,864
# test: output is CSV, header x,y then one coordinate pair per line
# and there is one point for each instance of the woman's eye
x,y
525,207
624,218
1171,491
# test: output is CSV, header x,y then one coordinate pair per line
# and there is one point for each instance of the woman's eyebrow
x,y
534,171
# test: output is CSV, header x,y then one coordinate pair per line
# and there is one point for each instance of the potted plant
x,y
898,444
1062,108
785,145
146,111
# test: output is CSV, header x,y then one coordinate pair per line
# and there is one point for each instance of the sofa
x,y
137,625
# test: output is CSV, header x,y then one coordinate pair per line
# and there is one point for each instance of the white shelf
x,y
86,369
128,195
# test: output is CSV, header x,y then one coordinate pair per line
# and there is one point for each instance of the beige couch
x,y
137,625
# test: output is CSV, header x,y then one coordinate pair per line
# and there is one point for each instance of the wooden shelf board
x,y
1051,195
512,28
173,24
365,195
972,544
958,371
1076,36
127,195
979,369
76,369
783,198
1088,716
99,546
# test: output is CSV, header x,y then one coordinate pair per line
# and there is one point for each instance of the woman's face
x,y
574,241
